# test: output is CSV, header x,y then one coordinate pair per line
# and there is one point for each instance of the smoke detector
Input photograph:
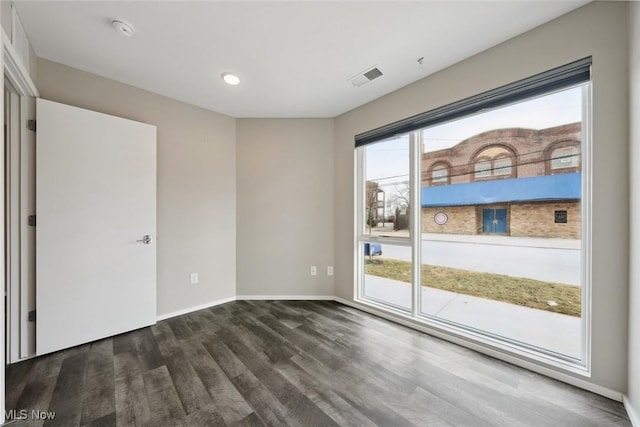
x,y
366,76
123,27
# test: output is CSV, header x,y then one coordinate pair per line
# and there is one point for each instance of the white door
x,y
95,202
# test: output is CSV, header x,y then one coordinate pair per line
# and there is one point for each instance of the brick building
x,y
516,182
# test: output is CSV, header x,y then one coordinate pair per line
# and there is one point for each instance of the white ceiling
x,y
294,58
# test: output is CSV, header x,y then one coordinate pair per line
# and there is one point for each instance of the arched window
x,y
494,161
565,157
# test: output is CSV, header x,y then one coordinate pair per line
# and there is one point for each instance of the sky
x,y
538,113
388,161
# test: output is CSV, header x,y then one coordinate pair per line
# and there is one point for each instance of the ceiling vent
x,y
366,76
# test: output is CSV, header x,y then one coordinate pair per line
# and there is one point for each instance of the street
x,y
540,259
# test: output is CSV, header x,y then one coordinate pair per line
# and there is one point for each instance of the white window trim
x,y
523,352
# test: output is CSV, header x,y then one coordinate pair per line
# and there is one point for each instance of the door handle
x,y
146,239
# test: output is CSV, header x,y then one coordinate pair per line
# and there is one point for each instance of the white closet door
x,y
95,203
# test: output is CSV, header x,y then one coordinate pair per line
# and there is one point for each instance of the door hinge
x,y
32,220
31,125
32,316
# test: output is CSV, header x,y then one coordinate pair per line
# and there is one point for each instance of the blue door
x,y
494,221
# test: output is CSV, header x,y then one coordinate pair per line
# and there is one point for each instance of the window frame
x,y
453,331
485,173
571,167
497,168
441,180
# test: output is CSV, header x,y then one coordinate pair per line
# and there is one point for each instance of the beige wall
x,y
598,29
6,21
6,16
33,64
634,280
196,181
285,206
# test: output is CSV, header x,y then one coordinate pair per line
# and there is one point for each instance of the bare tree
x,y
372,204
400,197
400,201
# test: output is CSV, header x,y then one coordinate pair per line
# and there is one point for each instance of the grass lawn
x,y
515,290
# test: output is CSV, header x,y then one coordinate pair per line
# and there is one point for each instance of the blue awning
x,y
566,186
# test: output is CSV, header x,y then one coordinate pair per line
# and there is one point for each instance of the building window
x,y
493,161
565,157
440,174
483,169
502,166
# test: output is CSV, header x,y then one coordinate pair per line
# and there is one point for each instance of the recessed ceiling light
x,y
230,79
123,27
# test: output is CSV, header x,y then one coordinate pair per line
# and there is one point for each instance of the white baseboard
x,y
244,297
634,415
286,297
160,317
518,361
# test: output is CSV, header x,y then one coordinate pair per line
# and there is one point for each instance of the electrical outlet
x,y
330,270
314,270
194,278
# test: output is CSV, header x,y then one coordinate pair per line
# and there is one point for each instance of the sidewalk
x,y
551,331
486,239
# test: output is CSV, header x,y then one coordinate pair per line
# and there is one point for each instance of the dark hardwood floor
x,y
291,363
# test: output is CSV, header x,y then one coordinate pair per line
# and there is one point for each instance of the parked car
x,y
372,249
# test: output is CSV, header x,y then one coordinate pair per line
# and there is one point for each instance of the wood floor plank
x,y
132,406
324,397
162,332
108,420
275,346
227,400
300,409
267,408
230,364
207,416
66,400
202,322
36,396
357,393
301,340
298,363
445,410
187,383
180,329
18,376
147,349
251,420
126,365
164,404
124,343
98,399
